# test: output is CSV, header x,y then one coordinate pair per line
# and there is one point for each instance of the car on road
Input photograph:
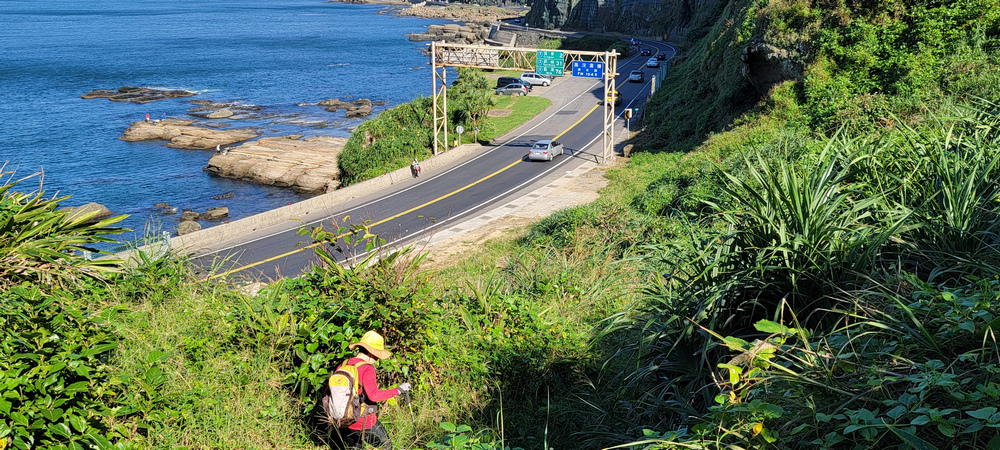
x,y
532,78
513,89
653,62
545,150
517,20
633,41
661,56
636,76
503,81
614,97
645,51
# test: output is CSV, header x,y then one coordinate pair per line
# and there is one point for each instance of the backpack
x,y
343,400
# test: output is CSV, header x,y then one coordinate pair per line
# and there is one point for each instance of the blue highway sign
x,y
588,69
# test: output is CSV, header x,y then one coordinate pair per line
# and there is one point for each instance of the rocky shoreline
x,y
304,164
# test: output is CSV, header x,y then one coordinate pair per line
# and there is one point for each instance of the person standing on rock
x,y
147,117
163,118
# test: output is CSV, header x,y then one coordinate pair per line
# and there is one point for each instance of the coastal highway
x,y
442,198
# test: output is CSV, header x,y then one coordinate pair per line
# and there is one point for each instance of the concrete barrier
x,y
291,216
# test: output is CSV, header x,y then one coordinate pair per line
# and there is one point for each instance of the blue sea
x,y
274,54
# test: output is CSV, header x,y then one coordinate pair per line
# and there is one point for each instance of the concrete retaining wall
x,y
291,216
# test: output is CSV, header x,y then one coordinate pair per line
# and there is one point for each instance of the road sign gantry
x,y
546,62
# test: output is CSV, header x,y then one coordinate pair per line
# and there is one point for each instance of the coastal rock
x,y
469,33
166,209
208,109
471,15
136,94
189,215
358,111
306,165
215,213
182,134
187,226
333,104
98,210
224,196
220,114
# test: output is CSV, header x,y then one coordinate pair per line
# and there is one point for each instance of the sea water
x,y
278,55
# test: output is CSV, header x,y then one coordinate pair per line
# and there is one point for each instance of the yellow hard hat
x,y
374,344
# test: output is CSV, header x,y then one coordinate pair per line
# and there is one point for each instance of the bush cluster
x,y
398,135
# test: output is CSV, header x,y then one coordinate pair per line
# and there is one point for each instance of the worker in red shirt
x,y
368,429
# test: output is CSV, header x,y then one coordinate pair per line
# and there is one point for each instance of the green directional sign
x,y
548,62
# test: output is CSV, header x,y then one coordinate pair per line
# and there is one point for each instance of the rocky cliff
x,y
636,17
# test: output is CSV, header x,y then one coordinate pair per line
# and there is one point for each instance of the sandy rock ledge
x,y
182,134
306,165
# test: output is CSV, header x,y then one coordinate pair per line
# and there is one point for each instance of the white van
x,y
533,78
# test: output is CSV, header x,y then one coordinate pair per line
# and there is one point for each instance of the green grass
x,y
522,110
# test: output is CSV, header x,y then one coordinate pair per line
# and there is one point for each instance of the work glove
x,y
404,388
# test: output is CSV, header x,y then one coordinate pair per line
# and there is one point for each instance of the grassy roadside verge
x,y
400,134
521,110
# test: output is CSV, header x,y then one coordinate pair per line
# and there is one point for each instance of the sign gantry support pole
x,y
610,70
439,101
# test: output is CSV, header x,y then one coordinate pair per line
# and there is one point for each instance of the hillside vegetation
x,y
798,262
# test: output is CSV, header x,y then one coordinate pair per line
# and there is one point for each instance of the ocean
x,y
275,55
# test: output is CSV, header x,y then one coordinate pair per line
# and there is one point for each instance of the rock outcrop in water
x,y
182,134
136,94
306,165
100,212
358,108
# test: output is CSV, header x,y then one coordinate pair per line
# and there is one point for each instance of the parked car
x,y
532,78
614,97
636,76
503,81
661,56
645,51
653,62
545,150
513,89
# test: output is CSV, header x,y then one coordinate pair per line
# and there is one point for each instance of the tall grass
x,y
845,235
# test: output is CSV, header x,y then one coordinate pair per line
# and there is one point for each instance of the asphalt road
x,y
443,198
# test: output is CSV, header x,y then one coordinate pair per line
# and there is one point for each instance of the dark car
x,y
661,56
633,41
645,51
503,81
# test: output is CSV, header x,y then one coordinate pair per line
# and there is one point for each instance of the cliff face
x,y
638,17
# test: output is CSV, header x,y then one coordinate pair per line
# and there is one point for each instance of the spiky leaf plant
x,y
40,243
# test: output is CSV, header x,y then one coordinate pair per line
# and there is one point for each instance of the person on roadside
x,y
415,168
368,429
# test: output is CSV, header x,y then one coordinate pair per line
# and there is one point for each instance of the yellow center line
x,y
232,271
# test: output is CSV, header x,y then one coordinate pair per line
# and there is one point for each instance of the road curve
x,y
451,194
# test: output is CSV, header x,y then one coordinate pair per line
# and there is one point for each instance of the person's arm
x,y
370,385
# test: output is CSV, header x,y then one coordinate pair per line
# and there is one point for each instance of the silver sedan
x,y
545,150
